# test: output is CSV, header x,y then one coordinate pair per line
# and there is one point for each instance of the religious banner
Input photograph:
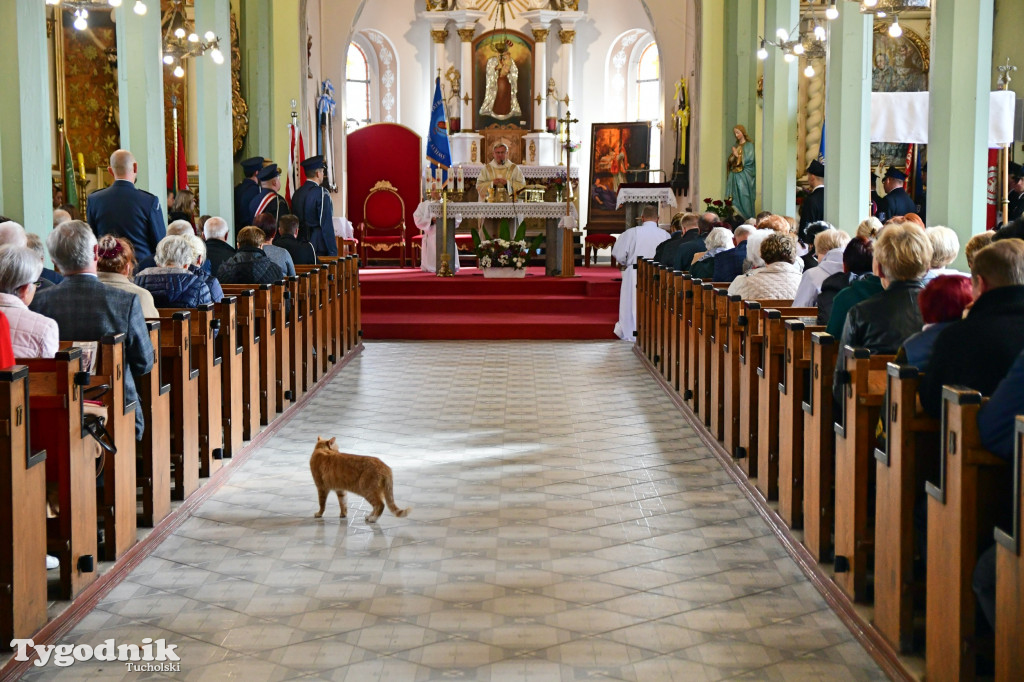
x,y
619,153
502,79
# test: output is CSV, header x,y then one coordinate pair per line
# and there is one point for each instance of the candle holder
x,y
456,196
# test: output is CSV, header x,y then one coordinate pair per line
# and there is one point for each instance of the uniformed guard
x,y
246,191
813,208
312,204
268,200
125,210
896,202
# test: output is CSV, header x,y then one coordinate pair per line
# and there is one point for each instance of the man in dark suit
x,y
672,243
218,250
301,251
311,203
268,200
897,202
87,310
729,264
813,208
246,191
126,211
690,244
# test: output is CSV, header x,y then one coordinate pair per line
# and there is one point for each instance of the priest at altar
x,y
634,243
499,173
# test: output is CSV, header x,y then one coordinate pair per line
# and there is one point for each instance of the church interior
x,y
604,465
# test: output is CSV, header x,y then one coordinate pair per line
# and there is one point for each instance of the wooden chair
x,y
906,459
22,514
863,382
1010,577
153,467
176,365
229,349
248,340
719,344
793,391
819,449
961,519
383,226
55,425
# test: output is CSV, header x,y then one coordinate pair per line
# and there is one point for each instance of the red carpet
x,y
410,304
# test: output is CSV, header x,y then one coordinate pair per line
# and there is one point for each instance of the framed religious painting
x,y
502,80
619,153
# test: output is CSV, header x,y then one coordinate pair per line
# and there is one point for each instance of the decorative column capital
x,y
540,34
567,37
466,34
439,36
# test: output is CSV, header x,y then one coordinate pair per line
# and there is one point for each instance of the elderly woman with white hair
x,y
717,241
171,282
200,267
945,248
32,335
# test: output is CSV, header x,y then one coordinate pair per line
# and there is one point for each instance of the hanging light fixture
x,y
181,41
883,9
808,41
80,9
832,13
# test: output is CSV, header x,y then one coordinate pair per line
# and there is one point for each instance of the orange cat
x,y
367,477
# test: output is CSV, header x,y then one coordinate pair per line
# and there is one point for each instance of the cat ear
x,y
331,441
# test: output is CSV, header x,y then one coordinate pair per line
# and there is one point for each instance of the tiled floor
x,y
566,525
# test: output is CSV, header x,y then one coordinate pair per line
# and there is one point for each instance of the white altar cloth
x,y
664,196
550,210
472,171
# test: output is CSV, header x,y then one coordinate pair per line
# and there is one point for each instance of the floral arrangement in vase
x,y
720,207
557,183
505,250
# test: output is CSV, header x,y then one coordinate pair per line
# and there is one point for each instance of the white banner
x,y
902,117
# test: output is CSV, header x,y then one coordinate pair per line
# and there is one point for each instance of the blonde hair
x,y
778,248
976,244
869,228
251,237
945,245
1001,264
903,251
830,239
774,222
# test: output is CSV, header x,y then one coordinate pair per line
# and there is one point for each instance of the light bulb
x,y
881,14
819,33
80,23
832,13
789,57
809,71
217,56
114,3
798,48
193,38
168,59
782,34
210,36
870,3
140,8
52,2
179,33
895,30
179,72
762,54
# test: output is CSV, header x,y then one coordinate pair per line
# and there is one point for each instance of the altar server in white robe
x,y
634,243
428,226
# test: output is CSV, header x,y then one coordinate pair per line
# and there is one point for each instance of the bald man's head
x,y
122,165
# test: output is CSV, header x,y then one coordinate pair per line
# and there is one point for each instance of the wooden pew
x,y
176,352
153,468
283,316
694,312
1010,577
644,275
793,390
55,425
719,344
731,330
710,359
253,398
312,322
904,461
819,449
684,313
229,349
674,329
770,375
961,517
355,303
22,514
344,305
665,318
205,360
654,312
864,390
300,359
333,311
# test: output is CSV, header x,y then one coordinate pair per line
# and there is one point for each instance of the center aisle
x,y
566,525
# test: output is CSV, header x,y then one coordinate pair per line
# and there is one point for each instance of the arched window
x,y
648,85
357,89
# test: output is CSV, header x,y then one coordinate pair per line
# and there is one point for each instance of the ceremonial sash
x,y
264,203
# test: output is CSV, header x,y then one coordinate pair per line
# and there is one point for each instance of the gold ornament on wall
x,y
239,108
473,152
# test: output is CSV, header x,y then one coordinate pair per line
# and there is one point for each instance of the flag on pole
x,y
439,151
70,186
296,175
177,168
821,146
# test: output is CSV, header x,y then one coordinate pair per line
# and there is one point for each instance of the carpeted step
x,y
488,326
483,304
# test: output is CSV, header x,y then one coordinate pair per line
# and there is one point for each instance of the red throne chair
x,y
383,225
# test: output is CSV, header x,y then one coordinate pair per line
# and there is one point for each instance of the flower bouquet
x,y
720,207
505,255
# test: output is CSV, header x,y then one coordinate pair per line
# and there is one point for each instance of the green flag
x,y
70,186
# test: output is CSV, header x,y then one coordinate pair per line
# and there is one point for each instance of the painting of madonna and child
x,y
503,80
620,153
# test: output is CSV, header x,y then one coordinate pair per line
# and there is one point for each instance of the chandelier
x,y
808,40
883,9
502,43
81,8
181,41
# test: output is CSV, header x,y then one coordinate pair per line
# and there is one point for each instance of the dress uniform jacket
x,y
896,203
275,206
126,211
312,204
245,192
812,210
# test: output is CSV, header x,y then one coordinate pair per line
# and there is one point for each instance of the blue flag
x,y
821,145
439,151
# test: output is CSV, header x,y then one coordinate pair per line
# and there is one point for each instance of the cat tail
x,y
389,497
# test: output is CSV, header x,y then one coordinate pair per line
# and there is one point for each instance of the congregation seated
x,y
85,309
945,248
993,329
115,267
199,267
171,282
869,228
32,335
218,250
283,259
884,321
12,234
861,288
250,265
47,276
692,242
778,278
718,241
729,264
300,250
942,302
976,244
181,228
806,251
829,246
857,264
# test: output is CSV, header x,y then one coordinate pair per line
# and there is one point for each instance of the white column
x,y
214,133
140,80
439,36
566,52
466,34
540,76
25,136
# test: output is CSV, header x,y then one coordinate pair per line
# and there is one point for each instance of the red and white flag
x,y
296,176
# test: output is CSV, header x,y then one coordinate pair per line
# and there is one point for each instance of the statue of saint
x,y
500,96
740,183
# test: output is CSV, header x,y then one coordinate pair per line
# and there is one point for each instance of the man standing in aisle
x,y
813,208
897,202
246,191
126,211
268,200
500,173
634,243
312,204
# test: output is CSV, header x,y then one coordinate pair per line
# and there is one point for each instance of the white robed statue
x,y
634,243
501,99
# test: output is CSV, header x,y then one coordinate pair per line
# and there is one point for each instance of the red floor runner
x,y
410,304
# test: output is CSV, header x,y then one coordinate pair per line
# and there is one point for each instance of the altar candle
x,y
81,164
462,179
